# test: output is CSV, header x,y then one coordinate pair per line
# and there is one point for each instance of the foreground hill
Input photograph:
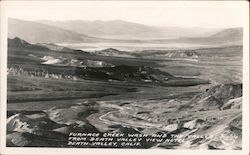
x,y
208,129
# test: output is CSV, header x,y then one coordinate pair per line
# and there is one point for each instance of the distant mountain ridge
x,y
117,31
40,33
230,32
120,29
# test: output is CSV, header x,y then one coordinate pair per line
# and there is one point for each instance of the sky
x,y
210,14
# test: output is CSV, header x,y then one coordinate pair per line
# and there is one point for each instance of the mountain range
x,y
117,31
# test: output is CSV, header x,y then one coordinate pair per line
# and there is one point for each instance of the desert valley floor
x,y
54,91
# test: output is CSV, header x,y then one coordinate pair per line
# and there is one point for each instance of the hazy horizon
x,y
121,20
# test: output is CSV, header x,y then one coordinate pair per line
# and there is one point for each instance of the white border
x,y
26,151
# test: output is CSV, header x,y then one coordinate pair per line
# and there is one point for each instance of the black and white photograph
x,y
132,75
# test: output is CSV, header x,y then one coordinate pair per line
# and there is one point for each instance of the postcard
x,y
127,77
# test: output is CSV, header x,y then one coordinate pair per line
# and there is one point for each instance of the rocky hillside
x,y
115,53
22,44
209,129
54,47
216,97
192,54
125,73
